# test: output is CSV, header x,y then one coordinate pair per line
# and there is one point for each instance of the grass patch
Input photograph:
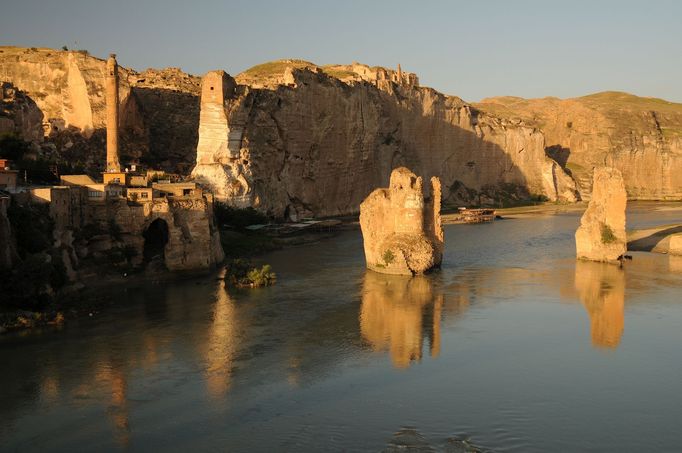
x,y
275,68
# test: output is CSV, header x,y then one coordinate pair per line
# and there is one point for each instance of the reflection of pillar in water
x,y
601,288
221,345
392,312
113,376
437,313
119,407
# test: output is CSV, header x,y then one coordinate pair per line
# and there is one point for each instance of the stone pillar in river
x,y
601,235
111,94
402,232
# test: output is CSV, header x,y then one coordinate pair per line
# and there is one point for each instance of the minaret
x,y
111,90
400,75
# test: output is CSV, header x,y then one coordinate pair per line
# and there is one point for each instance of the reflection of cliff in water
x,y
397,313
601,289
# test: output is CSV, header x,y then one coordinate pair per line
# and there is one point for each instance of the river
x,y
513,345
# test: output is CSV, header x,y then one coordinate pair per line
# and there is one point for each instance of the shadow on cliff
x,y
172,120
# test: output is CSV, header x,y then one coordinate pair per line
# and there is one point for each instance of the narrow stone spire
x,y
111,91
400,75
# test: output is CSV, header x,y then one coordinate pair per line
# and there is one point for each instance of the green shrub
x,y
241,272
607,236
388,256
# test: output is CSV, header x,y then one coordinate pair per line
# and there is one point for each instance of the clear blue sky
x,y
472,49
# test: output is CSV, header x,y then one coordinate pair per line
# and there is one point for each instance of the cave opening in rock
x,y
155,240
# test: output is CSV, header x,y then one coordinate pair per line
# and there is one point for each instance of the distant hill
x,y
640,135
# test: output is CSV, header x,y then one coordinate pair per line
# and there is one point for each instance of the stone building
x,y
171,222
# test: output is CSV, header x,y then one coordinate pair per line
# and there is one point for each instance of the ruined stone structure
x,y
601,235
219,164
113,164
402,232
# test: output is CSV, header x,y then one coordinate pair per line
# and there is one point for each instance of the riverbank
x,y
90,295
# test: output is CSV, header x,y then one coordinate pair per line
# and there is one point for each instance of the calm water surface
x,y
512,345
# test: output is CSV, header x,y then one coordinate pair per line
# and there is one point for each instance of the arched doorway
x,y
155,240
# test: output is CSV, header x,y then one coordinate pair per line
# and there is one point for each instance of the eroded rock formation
x,y
601,235
402,232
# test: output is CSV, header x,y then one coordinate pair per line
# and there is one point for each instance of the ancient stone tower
x,y
402,232
111,89
221,125
214,131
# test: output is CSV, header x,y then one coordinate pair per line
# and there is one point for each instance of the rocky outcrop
x,y
601,235
400,230
641,137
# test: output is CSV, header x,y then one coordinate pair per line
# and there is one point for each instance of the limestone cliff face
x,y
642,137
311,144
63,109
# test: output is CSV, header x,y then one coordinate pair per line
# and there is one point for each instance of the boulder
x,y
401,231
601,235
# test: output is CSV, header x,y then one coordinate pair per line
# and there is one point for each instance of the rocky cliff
x,y
305,140
642,137
55,99
316,141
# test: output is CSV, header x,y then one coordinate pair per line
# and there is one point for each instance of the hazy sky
x,y
472,49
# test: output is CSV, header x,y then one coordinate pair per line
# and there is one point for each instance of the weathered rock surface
x,y
601,235
642,137
402,232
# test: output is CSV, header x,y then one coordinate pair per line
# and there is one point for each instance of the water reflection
x,y
601,289
221,346
397,312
